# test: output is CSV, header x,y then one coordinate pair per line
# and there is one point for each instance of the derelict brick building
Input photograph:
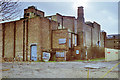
x,y
113,41
61,36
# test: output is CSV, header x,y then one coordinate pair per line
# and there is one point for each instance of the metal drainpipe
x,y
91,38
23,40
14,38
62,22
27,40
3,39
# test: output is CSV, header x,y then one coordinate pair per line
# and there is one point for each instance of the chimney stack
x,y
80,14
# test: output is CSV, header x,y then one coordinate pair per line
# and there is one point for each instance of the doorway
x,y
34,52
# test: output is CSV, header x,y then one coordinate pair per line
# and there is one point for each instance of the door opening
x,y
34,52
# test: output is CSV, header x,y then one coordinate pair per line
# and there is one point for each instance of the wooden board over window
x,y
62,41
60,54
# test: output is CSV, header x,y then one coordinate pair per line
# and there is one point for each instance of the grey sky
x,y
104,13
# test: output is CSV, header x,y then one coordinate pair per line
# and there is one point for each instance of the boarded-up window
x,y
60,54
62,41
45,54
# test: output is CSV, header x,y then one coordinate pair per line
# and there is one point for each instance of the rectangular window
x,y
70,43
69,35
62,41
60,54
77,51
75,40
69,40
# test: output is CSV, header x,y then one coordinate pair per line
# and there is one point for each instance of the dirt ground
x,y
59,69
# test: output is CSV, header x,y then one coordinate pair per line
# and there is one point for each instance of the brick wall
x,y
65,21
39,32
34,37
87,35
46,40
60,34
96,33
9,40
33,12
0,42
19,39
113,43
103,39
81,54
68,22
80,32
53,25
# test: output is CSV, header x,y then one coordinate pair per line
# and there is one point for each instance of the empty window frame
x,y
69,40
75,40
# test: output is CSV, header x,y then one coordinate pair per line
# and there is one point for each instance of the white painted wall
x,y
111,54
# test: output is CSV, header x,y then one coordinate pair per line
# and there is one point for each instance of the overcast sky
x,y
104,13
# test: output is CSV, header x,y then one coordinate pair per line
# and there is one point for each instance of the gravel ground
x,y
58,69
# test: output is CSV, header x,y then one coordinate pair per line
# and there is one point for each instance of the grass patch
x,y
56,61
51,61
36,61
96,59
80,60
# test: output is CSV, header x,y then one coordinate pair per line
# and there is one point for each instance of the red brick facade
x,y
66,36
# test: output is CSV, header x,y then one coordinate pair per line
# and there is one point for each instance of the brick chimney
x,y
80,24
80,14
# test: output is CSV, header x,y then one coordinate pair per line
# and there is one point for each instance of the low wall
x,y
112,54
